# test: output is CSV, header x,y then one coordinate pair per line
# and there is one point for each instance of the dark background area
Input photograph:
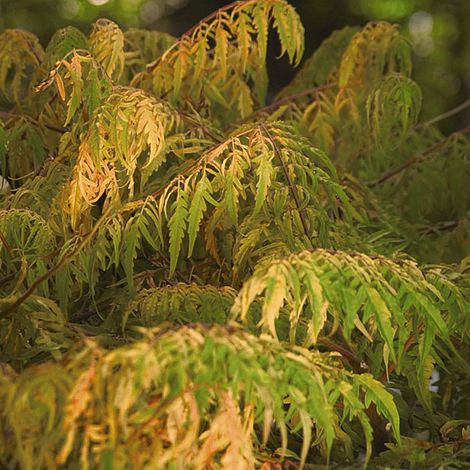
x,y
438,29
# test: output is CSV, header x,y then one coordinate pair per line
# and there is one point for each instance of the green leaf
x,y
177,226
376,393
264,172
434,314
197,209
383,316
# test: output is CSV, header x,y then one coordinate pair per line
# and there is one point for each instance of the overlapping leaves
x,y
182,198
169,387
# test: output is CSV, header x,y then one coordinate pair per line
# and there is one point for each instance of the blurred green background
x,y
439,30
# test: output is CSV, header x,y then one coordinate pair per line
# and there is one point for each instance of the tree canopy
x,y
192,276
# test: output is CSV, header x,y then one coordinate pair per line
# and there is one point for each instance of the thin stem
x,y
153,65
198,163
6,244
62,262
6,116
445,115
459,343
211,16
358,254
7,279
458,442
292,187
287,99
348,354
426,155
443,226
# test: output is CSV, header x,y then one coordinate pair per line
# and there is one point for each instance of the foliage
x,y
193,277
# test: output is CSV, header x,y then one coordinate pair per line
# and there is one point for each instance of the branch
x,y
290,183
89,236
444,226
7,279
62,262
426,155
211,16
153,65
445,115
358,254
6,116
6,244
82,315
355,361
289,98
198,124
200,161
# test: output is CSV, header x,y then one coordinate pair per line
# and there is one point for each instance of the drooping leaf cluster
x,y
192,277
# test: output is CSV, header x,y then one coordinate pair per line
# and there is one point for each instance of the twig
x,y
443,226
153,65
356,363
300,94
62,262
289,98
82,315
358,254
290,183
7,278
455,454
6,244
445,115
415,159
211,16
198,163
459,343
6,116
201,125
